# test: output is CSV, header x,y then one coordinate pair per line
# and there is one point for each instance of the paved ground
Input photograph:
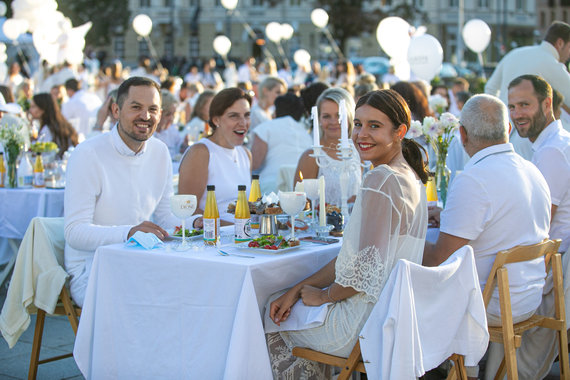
x,y
58,339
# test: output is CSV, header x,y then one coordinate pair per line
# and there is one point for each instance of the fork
x,y
223,253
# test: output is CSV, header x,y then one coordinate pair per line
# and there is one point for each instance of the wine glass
x,y
183,207
312,191
292,203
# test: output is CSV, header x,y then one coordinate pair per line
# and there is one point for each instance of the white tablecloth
x,y
19,206
183,315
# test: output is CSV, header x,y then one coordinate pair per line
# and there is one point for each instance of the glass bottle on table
x,y
254,195
211,218
2,169
39,177
25,171
242,218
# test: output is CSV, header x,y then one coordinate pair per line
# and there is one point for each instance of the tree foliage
x,y
106,16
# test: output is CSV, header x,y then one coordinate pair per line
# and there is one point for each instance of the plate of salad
x,y
273,244
191,234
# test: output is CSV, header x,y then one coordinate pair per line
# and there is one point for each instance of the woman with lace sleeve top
x,y
388,223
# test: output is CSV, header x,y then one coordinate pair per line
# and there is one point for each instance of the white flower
x,y
449,121
437,102
415,130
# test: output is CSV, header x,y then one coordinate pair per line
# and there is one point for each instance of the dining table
x,y
18,206
192,314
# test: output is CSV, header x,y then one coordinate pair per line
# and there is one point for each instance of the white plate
x,y
244,247
195,237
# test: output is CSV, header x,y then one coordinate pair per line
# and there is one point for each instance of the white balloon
x,y
287,31
229,4
3,8
142,24
393,36
12,29
476,34
222,45
273,31
74,56
319,17
3,57
2,48
302,57
425,56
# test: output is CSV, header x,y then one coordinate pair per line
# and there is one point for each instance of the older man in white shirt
x,y
546,60
530,106
499,201
81,108
117,182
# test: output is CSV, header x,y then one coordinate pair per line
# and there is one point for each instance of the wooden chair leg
x,y
351,362
560,311
69,309
36,346
507,322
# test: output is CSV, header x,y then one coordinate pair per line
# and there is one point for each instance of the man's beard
x,y
536,125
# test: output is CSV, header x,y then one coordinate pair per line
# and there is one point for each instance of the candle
x,y
316,135
343,125
322,205
299,187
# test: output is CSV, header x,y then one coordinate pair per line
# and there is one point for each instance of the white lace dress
x,y
388,223
332,170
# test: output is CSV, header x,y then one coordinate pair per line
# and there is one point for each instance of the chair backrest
x,y
519,254
407,334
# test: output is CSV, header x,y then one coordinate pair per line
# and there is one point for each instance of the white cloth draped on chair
x,y
423,316
38,277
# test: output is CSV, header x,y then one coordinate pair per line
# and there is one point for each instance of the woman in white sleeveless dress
x,y
329,124
388,223
220,159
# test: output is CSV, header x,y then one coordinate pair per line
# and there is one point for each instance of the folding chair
x,y
354,362
64,306
509,334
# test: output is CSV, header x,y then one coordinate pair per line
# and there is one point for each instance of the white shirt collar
x,y
486,152
120,145
550,48
551,129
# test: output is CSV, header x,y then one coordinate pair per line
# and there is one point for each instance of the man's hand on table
x,y
147,226
433,216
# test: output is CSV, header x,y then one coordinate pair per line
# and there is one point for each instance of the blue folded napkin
x,y
147,240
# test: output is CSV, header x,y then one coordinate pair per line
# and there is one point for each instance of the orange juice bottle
x,y
2,169
39,178
431,189
211,218
242,219
254,195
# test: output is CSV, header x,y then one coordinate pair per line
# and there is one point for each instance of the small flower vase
x,y
442,175
11,168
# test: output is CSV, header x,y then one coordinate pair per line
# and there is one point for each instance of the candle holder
x,y
323,231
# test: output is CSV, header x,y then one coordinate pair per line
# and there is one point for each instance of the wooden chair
x,y
65,306
509,334
354,362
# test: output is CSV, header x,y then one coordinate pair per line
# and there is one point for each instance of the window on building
x,y
453,3
257,3
542,19
145,3
564,16
194,46
521,5
143,48
552,16
168,3
483,3
119,46
296,2
419,3
551,4
565,3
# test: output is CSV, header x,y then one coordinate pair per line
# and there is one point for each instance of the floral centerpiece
x,y
439,133
44,147
13,141
437,103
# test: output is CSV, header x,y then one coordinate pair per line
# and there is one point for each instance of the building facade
x,y
187,28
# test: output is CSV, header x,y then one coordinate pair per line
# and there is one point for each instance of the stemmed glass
x,y
183,207
312,190
292,203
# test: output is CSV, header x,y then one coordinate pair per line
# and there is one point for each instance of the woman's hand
x,y
280,309
313,296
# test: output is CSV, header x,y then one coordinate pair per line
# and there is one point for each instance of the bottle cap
x,y
241,187
255,176
210,187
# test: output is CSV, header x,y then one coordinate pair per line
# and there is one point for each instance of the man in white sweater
x,y
117,182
